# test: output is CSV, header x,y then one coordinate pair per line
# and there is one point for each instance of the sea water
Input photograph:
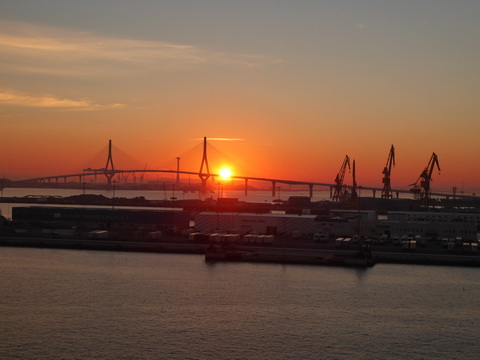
x,y
65,304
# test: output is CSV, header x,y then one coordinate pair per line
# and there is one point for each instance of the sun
x,y
225,173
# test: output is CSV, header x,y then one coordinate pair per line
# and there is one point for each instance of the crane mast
x,y
421,188
387,170
341,192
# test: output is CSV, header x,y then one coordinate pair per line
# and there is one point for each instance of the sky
x,y
284,89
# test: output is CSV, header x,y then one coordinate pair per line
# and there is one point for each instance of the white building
x,y
245,223
345,223
428,225
433,225
334,226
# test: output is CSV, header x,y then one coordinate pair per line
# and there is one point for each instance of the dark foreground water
x,y
60,304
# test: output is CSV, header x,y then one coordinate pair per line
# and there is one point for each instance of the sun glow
x,y
225,173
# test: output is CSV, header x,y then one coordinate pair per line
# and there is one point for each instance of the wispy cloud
x,y
221,139
54,51
9,97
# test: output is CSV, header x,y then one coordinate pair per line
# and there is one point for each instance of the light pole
x,y
113,195
178,171
83,194
218,207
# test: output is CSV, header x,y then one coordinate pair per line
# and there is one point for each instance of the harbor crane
x,y
421,188
387,170
341,193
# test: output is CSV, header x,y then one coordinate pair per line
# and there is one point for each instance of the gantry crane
x,y
387,170
341,192
421,188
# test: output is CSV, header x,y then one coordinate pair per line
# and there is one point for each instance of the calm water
x,y
60,304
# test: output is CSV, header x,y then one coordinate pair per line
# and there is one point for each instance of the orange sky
x,y
299,85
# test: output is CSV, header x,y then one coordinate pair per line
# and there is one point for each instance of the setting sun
x,y
225,173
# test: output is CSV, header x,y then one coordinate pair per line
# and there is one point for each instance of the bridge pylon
x,y
109,168
204,176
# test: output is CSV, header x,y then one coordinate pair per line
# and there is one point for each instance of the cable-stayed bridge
x,y
204,174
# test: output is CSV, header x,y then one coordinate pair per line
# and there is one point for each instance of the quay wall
x,y
261,253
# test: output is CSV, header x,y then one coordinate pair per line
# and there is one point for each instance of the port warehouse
x,y
246,223
100,218
338,223
346,223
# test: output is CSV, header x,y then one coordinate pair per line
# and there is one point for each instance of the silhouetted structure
x,y
387,170
421,188
204,176
109,172
341,193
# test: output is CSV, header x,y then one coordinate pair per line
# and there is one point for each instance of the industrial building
x,y
339,223
434,216
431,225
434,225
246,223
99,218
346,223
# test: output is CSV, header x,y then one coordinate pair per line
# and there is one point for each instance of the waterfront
x,y
112,305
132,233
253,196
259,196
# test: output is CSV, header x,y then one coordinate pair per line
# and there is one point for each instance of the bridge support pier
x,y
374,192
246,187
204,176
273,188
310,187
331,193
109,168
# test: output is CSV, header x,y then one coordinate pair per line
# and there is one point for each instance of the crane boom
x,y
387,170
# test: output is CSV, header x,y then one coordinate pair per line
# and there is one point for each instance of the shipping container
x,y
98,234
154,235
